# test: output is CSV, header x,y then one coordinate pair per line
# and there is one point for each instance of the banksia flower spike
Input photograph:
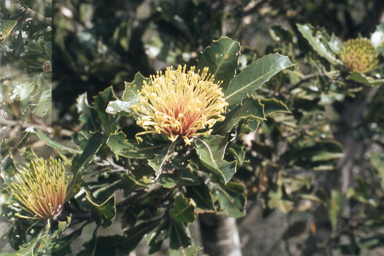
x,y
358,55
40,188
180,104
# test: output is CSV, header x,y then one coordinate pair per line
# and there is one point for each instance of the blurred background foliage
x,y
313,178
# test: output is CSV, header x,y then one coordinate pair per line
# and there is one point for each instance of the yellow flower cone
x,y
180,104
358,55
41,189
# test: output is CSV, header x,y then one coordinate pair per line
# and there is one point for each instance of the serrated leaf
x,y
183,210
81,161
44,106
361,78
232,199
179,238
103,214
202,197
129,183
250,109
377,38
51,143
88,115
23,90
318,46
335,205
185,178
238,152
221,57
6,27
123,106
133,149
253,77
272,106
101,103
161,159
335,44
211,150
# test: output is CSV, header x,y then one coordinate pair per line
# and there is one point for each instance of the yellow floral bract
x,y
179,104
41,189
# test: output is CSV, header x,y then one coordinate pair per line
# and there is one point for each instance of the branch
x,y
32,14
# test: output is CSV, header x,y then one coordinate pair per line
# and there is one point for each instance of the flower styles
x,y
358,55
179,103
41,188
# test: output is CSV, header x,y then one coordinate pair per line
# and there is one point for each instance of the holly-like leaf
x,y
161,159
129,182
44,106
253,77
221,57
23,90
6,27
88,115
232,199
101,103
133,149
250,109
238,152
103,214
318,46
361,78
184,178
123,106
202,197
211,150
273,106
81,161
179,238
50,142
183,210
377,38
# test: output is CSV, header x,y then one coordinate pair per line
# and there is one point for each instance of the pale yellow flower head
x,y
358,55
179,104
41,188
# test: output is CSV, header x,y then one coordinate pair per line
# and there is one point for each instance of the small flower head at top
x,y
358,55
40,189
180,104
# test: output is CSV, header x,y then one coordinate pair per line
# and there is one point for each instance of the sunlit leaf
x,y
161,159
377,38
335,205
232,199
361,78
221,57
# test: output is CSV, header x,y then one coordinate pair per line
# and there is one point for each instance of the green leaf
x,y
101,103
133,149
88,114
221,57
185,178
232,199
361,78
44,106
272,106
189,251
51,143
48,49
318,46
6,27
63,245
335,44
161,159
377,38
81,161
123,106
202,197
183,210
211,150
103,214
335,205
253,77
129,183
238,152
281,34
24,90
179,238
250,109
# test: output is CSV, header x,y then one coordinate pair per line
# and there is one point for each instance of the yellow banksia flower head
x,y
40,188
179,104
358,55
